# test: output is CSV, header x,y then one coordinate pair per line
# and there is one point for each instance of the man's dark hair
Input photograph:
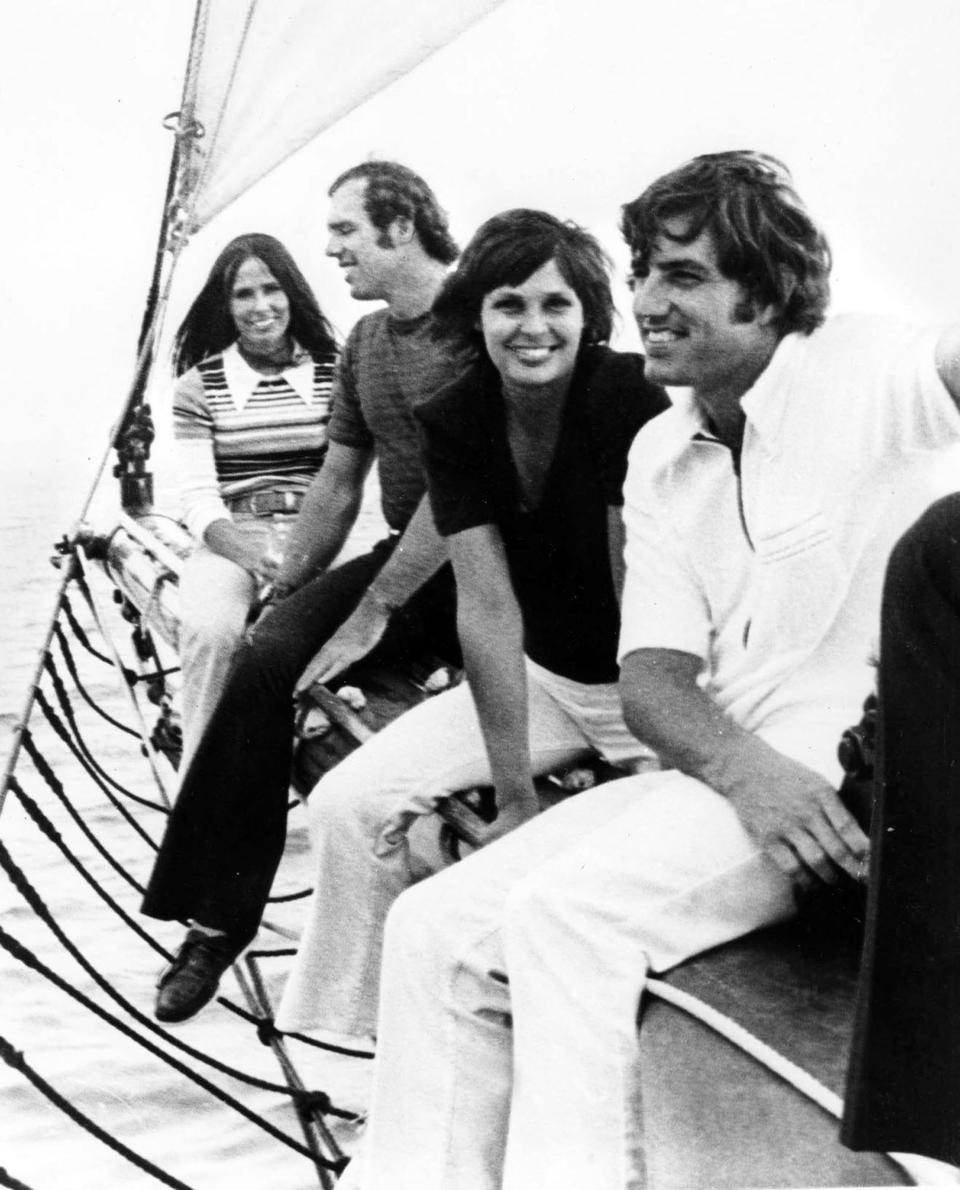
x,y
395,192
209,327
763,236
509,248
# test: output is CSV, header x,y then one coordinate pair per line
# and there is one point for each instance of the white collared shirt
x,y
242,379
774,579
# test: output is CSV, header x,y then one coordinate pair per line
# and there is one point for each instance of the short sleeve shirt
x,y
557,552
388,366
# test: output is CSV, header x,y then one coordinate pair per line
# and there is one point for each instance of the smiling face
x,y
699,328
367,254
532,331
260,309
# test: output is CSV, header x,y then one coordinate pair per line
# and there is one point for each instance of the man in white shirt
x,y
760,510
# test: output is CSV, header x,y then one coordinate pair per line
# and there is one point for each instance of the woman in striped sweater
x,y
255,358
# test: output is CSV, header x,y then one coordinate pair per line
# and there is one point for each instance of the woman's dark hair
x,y
209,327
395,192
763,235
508,249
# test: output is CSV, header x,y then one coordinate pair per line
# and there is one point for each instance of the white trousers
x,y
360,814
215,600
507,1051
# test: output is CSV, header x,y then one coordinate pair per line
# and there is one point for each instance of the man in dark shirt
x,y
226,833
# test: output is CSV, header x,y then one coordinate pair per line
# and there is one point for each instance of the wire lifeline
x,y
15,1059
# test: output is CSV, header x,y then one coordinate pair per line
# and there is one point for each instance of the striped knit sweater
x,y
269,435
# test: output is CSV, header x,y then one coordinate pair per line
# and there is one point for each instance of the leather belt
x,y
265,503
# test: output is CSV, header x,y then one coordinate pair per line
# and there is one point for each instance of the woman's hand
x,y
252,552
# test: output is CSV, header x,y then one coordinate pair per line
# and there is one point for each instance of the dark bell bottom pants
x,y
226,833
903,1092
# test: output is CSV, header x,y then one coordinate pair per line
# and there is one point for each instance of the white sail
x,y
266,76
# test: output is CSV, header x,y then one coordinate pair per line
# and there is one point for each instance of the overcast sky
x,y
573,105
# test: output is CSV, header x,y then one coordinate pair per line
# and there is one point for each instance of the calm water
x,y
130,1093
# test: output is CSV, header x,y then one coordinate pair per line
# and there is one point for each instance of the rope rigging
x,y
46,771
75,742
131,437
87,757
59,715
101,621
78,631
10,1182
29,894
16,1061
84,692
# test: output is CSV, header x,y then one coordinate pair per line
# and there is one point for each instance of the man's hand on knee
x,y
798,819
352,641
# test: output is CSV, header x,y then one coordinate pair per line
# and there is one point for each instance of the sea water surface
x,y
130,1093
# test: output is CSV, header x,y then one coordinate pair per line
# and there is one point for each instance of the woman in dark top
x,y
525,459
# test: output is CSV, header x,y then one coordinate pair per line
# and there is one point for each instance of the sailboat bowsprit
x,y
730,1042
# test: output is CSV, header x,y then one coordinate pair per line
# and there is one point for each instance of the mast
x,y
133,433
225,142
